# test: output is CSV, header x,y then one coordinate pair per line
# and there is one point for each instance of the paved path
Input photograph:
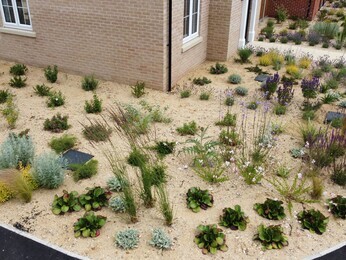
x,y
316,52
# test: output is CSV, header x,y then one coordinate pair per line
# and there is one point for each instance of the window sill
x,y
18,32
190,44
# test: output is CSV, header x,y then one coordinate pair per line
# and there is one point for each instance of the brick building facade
x,y
124,40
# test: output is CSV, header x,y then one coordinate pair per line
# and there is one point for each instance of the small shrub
x,y
317,72
230,101
313,38
164,148
160,239
270,85
325,45
114,184
265,60
68,202
198,199
127,239
337,206
244,54
95,198
42,90
5,193
270,209
204,95
89,225
281,14
4,95
56,99
268,31
137,158
210,239
304,62
342,104
241,91
84,171
283,39
57,124
233,218
18,82
97,131
51,74
313,220
339,173
229,138
308,115
63,143
117,204
228,120
94,105
253,105
294,71
18,70
188,128
48,170
138,89
10,112
201,81
337,123
292,26
234,79
185,93
280,109
89,83
271,237
218,69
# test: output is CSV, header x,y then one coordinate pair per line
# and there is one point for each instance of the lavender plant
x,y
270,86
285,93
310,88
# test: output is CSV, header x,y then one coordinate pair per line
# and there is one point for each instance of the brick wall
x,y
120,40
297,8
234,33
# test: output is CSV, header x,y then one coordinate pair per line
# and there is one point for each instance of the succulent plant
x,y
210,239
270,209
337,206
197,199
117,204
114,184
160,239
127,239
68,202
271,237
233,218
89,225
95,198
313,220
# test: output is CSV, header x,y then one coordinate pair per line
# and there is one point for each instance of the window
x,y
15,14
191,19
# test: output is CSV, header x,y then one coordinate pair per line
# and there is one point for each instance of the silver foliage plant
x,y
49,170
114,184
160,239
127,239
16,149
117,204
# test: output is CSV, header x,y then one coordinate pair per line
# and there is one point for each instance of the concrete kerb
x,y
325,252
45,243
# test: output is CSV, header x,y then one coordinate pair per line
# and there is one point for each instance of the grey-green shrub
x,y
117,204
48,170
160,239
342,104
241,91
16,149
127,239
114,184
234,79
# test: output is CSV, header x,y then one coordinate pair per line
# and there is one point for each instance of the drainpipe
x,y
170,8
244,12
253,20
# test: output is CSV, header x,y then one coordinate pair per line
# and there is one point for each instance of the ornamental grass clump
x,y
160,239
97,131
68,202
270,209
210,239
271,237
228,120
313,220
270,86
337,206
234,218
198,199
165,205
338,175
127,239
244,55
89,225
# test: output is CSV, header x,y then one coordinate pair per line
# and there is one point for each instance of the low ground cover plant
x,y
51,73
42,90
84,171
4,95
218,69
63,143
188,128
68,202
89,83
95,198
270,209
18,70
56,99
160,239
210,239
313,220
89,225
234,79
18,82
57,124
241,91
234,218
117,204
201,81
127,239
164,148
114,184
337,206
198,199
271,237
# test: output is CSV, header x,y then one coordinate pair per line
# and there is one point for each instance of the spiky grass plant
x,y
97,131
165,205
146,183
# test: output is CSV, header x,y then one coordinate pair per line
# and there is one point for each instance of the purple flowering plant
x,y
270,86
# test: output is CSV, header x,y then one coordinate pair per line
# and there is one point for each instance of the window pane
x,y
23,13
19,3
194,23
7,2
186,27
9,14
186,7
195,6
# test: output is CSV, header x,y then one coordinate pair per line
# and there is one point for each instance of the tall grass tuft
x,y
165,205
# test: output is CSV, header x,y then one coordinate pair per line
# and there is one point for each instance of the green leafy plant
x,y
18,82
313,220
165,205
271,237
93,106
156,113
281,14
89,225
127,239
51,74
68,202
198,199
188,128
338,175
270,209
4,95
57,124
10,112
337,122
229,101
205,95
89,83
201,81
164,148
95,198
63,143
49,170
114,184
117,204
18,70
253,105
244,55
185,93
228,120
137,157
56,99
218,69
84,171
241,91
97,131
337,206
282,171
160,239
234,79
210,239
138,89
234,218
280,110
42,90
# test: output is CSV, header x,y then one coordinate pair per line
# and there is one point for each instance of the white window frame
x,y
190,36
16,25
